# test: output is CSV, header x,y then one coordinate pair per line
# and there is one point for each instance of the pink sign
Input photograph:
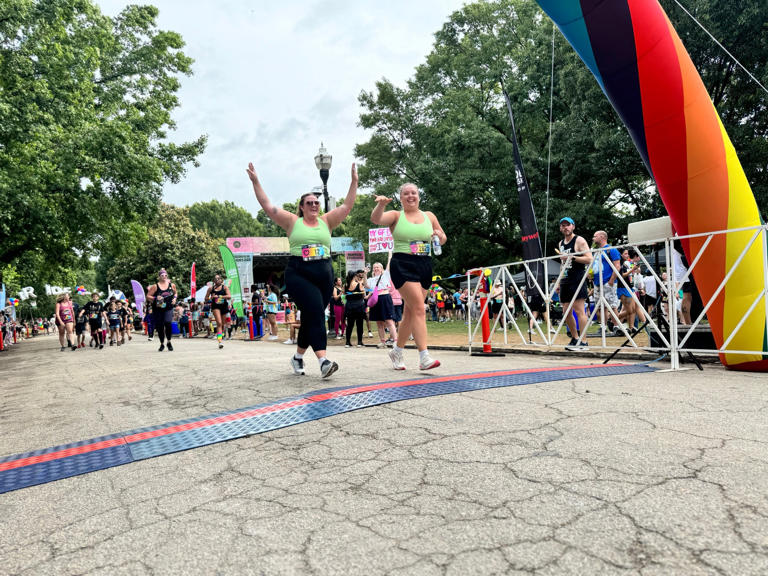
x,y
380,240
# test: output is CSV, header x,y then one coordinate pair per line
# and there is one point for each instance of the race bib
x,y
421,248
314,252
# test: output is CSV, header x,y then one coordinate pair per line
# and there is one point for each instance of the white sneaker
x,y
428,363
327,368
273,338
397,359
298,365
370,334
289,341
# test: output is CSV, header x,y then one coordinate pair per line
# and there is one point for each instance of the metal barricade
x,y
662,332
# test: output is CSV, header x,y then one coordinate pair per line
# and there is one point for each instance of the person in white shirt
x,y
383,312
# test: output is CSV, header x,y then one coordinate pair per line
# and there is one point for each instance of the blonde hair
x,y
60,298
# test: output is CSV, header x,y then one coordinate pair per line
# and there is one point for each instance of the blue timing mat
x,y
55,463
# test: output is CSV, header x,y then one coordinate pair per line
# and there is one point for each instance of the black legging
x,y
310,285
355,316
162,318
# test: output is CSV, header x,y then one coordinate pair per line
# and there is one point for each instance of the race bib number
x,y
421,248
314,252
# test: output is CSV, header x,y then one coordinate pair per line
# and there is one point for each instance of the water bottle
x,y
436,248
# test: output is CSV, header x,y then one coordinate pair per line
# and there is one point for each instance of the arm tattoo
x,y
274,210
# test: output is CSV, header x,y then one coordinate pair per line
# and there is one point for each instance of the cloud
x,y
271,81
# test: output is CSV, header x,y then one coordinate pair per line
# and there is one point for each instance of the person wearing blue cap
x,y
575,257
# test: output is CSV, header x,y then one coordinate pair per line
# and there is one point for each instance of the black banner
x,y
529,231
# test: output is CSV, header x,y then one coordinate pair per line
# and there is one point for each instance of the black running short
x,y
568,292
410,268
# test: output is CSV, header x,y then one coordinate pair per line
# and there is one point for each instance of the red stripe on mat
x,y
67,452
327,396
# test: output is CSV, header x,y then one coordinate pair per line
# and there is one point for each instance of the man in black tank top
x,y
574,268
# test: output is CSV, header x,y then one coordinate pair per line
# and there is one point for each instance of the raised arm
x,y
338,214
382,218
281,217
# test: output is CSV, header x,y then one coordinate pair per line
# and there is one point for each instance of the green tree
x,y
85,107
224,220
172,243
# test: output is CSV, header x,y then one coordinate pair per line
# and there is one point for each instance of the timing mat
x,y
49,464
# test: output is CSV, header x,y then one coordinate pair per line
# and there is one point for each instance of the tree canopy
x,y
224,220
85,108
172,243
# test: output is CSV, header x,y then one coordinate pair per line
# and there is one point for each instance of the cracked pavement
x,y
663,473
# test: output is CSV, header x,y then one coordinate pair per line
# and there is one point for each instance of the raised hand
x,y
354,173
382,200
252,174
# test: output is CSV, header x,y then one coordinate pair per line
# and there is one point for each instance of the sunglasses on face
x,y
311,202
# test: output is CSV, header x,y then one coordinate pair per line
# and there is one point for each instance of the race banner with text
x,y
355,261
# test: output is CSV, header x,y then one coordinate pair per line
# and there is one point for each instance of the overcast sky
x,y
273,80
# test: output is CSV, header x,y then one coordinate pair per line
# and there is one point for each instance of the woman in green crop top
x,y
309,274
410,268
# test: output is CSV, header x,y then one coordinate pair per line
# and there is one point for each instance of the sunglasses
x,y
311,202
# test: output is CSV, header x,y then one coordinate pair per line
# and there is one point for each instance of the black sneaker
x,y
298,365
63,348
327,368
162,347
101,346
170,347
572,345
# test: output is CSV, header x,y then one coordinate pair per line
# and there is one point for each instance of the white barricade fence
x,y
659,316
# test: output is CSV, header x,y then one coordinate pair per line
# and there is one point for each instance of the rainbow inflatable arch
x,y
640,63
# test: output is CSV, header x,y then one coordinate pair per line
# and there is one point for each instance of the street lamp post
x,y
323,163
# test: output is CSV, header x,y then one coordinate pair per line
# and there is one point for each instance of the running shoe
x,y
575,346
170,347
427,363
73,348
298,365
289,341
221,344
162,347
119,343
327,368
63,348
272,338
381,345
111,342
90,343
370,334
149,339
101,346
397,359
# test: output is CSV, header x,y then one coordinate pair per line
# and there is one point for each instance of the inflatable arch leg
x,y
641,65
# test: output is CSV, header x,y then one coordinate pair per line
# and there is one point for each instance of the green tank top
x,y
413,238
310,243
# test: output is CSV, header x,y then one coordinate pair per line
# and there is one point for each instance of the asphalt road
x,y
664,473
